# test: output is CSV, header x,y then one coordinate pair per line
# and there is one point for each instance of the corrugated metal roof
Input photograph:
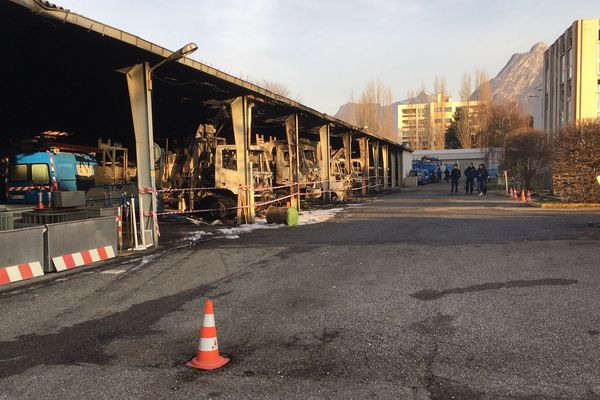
x,y
50,10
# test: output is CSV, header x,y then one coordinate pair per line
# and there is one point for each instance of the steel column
x,y
325,161
393,168
347,140
291,129
400,168
376,164
363,144
386,162
140,97
241,115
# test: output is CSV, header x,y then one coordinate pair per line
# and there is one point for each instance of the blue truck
x,y
46,171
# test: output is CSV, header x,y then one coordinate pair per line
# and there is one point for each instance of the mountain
x,y
520,79
347,112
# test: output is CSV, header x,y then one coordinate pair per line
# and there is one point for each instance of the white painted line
x,y
78,259
13,273
112,271
109,251
59,263
94,254
36,268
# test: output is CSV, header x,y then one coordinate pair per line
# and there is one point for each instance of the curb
x,y
563,205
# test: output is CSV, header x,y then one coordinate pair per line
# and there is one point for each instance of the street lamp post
x,y
182,52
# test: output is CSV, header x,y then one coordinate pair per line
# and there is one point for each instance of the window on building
x,y
562,69
598,99
570,61
598,57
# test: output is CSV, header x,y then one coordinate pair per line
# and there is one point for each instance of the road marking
x,y
113,271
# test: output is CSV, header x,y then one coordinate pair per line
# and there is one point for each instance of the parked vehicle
x,y
45,171
421,176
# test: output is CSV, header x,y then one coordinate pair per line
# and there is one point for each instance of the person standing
x,y
454,178
446,175
439,175
482,177
470,174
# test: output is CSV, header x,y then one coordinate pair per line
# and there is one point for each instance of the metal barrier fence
x,y
74,240
20,246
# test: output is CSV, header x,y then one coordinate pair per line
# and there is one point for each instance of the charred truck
x,y
204,175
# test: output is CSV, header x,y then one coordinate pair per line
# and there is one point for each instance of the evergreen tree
x,y
451,135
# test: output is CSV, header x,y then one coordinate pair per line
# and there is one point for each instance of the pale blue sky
x,y
324,50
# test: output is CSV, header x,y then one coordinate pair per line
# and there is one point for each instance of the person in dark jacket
x,y
482,177
454,178
447,175
470,174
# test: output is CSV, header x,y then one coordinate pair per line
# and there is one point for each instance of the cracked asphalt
x,y
415,295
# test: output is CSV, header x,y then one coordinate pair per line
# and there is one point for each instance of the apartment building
x,y
422,120
572,77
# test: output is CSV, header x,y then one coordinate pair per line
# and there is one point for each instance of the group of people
x,y
471,173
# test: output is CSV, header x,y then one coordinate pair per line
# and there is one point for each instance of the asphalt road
x,y
416,295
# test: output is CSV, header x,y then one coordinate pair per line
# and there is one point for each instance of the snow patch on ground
x,y
198,236
317,216
261,223
305,218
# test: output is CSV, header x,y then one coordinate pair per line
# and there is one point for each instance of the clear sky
x,y
322,50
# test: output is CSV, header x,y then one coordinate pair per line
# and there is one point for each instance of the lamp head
x,y
182,52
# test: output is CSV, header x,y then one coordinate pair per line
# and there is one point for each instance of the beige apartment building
x,y
422,120
572,77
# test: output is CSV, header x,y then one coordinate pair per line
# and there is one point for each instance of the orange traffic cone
x,y
523,196
514,196
207,356
40,200
528,198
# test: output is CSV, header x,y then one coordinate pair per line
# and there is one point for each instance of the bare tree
x,y
275,87
484,101
526,156
438,125
374,109
463,124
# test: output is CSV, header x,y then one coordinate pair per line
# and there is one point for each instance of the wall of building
x,y
571,75
422,122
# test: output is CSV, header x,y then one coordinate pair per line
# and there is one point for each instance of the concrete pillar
x,y
399,168
347,138
386,161
325,161
393,159
363,144
291,129
241,115
140,98
376,165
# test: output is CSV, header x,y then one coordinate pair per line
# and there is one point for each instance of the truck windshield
x,y
18,173
37,173
40,174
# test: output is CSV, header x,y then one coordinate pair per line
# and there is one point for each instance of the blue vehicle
x,y
45,171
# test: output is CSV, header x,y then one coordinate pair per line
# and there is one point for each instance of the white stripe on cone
x,y
208,344
209,320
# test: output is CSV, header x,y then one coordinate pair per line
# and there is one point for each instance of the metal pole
x,y
142,228
134,223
